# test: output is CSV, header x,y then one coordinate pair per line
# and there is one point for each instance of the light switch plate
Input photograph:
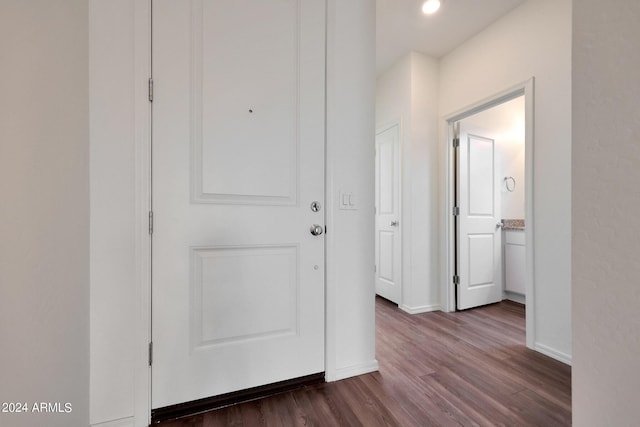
x,y
347,201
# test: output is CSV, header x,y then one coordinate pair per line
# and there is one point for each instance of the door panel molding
x,y
480,204
275,300
245,116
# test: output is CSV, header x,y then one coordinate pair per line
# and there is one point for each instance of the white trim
x,y
529,138
142,122
330,298
330,191
490,101
121,422
553,353
420,309
353,371
515,297
527,89
447,287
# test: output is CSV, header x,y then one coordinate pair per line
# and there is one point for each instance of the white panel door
x,y
479,249
238,158
388,243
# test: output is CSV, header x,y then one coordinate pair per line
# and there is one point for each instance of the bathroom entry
x,y
489,212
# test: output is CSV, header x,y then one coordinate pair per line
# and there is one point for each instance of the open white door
x,y
238,160
479,242
388,239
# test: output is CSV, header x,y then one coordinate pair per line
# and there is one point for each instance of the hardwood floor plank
x,y
252,415
540,412
468,368
401,398
326,412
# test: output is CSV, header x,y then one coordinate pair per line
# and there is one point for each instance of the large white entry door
x,y
238,159
388,243
479,246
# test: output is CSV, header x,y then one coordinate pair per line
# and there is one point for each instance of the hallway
x,y
436,369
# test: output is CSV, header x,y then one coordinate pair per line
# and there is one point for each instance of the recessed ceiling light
x,y
431,6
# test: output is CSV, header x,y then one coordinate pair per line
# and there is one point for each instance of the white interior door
x,y
479,246
238,158
388,238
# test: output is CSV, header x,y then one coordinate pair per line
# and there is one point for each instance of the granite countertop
x,y
513,224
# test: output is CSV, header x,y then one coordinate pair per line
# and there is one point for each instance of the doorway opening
x,y
489,178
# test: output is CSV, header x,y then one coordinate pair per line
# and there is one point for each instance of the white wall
x,y
606,207
532,40
408,92
393,97
117,139
350,167
112,178
44,213
511,152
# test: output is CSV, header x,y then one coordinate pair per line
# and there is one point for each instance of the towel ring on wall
x,y
510,183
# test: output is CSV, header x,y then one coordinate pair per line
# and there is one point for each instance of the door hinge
x,y
150,222
375,268
456,142
455,211
456,280
150,353
150,90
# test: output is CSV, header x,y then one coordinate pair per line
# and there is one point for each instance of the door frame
x,y
142,153
525,88
379,129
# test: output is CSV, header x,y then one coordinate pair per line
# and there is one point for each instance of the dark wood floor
x,y
468,368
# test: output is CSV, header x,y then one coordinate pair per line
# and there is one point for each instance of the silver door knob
x,y
498,225
394,223
316,230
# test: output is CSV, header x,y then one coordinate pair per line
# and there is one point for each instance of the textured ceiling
x,y
402,27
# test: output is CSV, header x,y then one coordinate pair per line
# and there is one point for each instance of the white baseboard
x,y
553,353
515,297
121,422
421,308
354,370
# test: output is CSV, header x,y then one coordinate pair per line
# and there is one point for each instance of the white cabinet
x,y
514,261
